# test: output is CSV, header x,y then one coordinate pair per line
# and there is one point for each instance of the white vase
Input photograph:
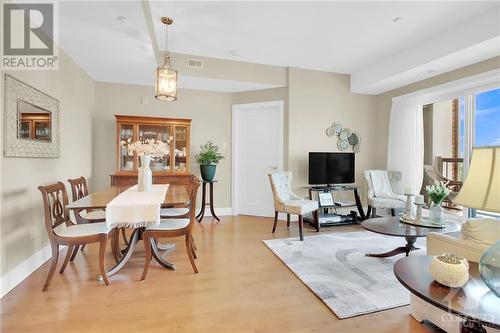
x,y
436,213
450,270
145,175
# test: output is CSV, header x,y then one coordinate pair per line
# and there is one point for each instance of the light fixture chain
x,y
166,39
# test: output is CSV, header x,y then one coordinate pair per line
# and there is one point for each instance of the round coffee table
x,y
474,302
391,226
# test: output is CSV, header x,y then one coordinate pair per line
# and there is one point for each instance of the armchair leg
x,y
287,220
374,212
393,212
301,226
275,221
316,220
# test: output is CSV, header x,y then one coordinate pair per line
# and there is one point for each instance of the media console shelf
x,y
331,219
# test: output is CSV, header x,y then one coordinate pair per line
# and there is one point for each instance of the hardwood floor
x,y
241,287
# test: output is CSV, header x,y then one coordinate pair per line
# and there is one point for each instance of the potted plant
x,y
208,158
437,192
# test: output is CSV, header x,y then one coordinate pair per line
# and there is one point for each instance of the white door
x,y
257,151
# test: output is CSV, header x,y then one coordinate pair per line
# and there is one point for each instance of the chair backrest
x,y
55,200
194,184
281,185
79,188
394,180
431,173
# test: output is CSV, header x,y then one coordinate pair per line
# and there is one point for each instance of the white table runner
x,y
134,209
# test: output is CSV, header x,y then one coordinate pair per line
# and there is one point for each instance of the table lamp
x,y
481,190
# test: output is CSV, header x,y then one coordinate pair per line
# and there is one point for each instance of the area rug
x,y
335,268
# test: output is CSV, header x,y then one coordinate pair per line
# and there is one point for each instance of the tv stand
x,y
338,219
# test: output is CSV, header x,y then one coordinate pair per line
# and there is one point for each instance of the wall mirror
x,y
31,121
34,122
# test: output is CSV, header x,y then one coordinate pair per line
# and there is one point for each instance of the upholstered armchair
x,y
392,201
285,201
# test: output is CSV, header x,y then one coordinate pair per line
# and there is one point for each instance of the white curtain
x,y
405,151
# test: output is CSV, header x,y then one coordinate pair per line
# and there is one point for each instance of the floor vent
x,y
195,63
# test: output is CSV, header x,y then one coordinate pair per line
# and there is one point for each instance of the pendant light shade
x,y
166,77
166,82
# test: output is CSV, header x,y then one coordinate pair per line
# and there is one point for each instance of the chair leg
x,y
192,242
115,247
69,253
193,250
275,221
148,255
124,236
190,253
374,212
287,220
393,212
102,252
368,211
75,252
301,226
53,265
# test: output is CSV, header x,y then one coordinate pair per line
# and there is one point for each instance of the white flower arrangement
x,y
150,147
437,191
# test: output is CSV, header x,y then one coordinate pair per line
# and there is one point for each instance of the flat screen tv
x,y
331,168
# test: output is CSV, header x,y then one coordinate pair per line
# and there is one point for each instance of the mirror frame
x,y
14,91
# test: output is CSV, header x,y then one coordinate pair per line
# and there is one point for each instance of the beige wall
x,y
317,100
22,229
231,70
210,111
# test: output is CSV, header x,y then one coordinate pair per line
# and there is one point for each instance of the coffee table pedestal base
x,y
410,241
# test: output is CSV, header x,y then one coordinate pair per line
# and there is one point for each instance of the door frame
x,y
237,109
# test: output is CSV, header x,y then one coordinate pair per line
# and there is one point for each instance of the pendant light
x,y
166,77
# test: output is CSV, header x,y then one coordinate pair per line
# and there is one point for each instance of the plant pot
x,y
208,172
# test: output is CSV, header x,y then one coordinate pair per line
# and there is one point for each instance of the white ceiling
x,y
344,37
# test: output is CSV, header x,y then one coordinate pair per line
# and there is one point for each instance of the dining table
x,y
176,196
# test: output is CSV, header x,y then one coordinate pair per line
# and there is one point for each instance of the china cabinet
x,y
171,168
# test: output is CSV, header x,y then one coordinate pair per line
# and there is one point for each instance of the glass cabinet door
x,y
181,149
126,161
158,132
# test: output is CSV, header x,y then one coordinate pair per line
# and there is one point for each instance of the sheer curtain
x,y
405,151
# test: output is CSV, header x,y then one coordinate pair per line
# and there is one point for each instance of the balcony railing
x,y
451,167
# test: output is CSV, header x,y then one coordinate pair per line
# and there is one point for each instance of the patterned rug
x,y
335,268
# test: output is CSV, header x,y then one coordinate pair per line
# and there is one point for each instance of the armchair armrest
x,y
440,243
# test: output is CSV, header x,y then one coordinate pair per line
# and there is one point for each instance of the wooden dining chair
x,y
62,231
174,227
79,190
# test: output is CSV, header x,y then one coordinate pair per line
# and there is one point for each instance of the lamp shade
x,y
166,82
481,189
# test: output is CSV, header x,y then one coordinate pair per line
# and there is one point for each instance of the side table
x,y
201,214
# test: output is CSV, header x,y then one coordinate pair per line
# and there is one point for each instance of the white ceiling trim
x,y
218,85
459,46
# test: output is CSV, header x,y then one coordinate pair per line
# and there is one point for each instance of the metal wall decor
x,y
347,138
31,121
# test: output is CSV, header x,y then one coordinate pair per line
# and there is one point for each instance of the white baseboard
x,y
219,211
12,278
